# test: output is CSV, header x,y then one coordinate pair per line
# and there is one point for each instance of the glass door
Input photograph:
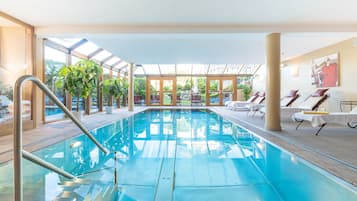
x,y
161,91
227,90
167,91
213,93
220,90
154,92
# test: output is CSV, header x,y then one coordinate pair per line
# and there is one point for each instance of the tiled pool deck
x,y
334,149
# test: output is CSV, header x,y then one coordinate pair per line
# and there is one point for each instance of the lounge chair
x,y
242,103
196,99
321,119
311,103
239,106
285,101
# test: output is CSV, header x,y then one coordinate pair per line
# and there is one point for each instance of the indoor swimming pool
x,y
179,155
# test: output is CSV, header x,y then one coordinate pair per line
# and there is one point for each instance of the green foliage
x,y
79,79
125,87
112,87
140,86
247,90
201,84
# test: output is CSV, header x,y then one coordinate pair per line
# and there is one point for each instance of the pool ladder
x,y
17,130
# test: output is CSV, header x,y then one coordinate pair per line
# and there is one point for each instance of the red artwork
x,y
325,71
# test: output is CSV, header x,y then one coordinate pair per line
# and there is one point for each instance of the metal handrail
x,y
17,129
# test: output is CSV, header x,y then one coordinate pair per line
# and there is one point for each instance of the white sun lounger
x,y
310,103
320,120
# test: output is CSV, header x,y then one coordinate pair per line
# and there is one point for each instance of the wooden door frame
x,y
220,90
161,79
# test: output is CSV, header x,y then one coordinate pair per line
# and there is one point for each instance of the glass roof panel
x,y
151,69
112,61
199,69
167,69
87,48
121,65
183,69
101,55
249,68
66,42
216,68
232,69
139,71
54,55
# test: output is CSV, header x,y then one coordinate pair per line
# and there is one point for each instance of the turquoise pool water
x,y
201,155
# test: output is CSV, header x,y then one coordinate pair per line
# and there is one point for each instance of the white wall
x,y
347,90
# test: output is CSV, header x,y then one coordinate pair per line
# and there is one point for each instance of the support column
x,y
131,88
38,104
68,96
272,117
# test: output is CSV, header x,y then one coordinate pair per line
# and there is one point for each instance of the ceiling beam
x,y
209,66
158,65
126,65
107,59
216,29
240,70
56,46
91,55
76,45
225,68
256,70
116,63
16,21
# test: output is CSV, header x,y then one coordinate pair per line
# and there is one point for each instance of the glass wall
x,y
139,90
106,99
198,96
183,90
167,91
154,92
54,60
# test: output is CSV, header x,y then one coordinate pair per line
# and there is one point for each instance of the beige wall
x,y
13,58
347,89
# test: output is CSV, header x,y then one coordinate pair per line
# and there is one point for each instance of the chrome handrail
x,y
17,129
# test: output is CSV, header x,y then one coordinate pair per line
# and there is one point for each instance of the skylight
x,y
87,48
66,42
101,55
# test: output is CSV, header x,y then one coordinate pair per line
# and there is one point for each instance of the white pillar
x,y
272,117
131,88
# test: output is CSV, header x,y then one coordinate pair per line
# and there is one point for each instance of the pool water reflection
x,y
213,160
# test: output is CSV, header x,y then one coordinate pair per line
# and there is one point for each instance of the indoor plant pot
x,y
113,88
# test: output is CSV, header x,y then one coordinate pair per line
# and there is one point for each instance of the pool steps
x,y
86,190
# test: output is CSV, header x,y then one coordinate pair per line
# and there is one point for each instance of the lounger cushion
x,y
286,100
310,102
292,93
319,92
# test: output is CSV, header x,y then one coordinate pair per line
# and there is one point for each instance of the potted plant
x,y
246,89
79,80
125,87
112,87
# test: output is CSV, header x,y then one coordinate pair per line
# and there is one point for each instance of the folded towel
x,y
315,112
